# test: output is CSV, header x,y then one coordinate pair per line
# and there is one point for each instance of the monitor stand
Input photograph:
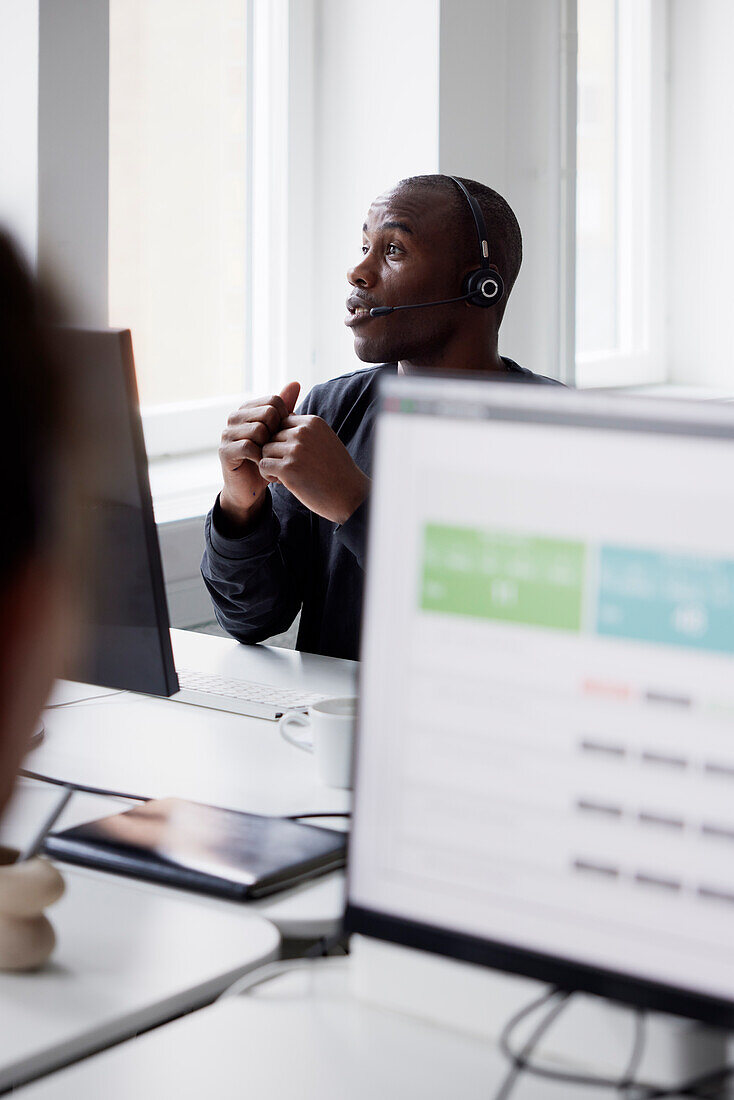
x,y
591,1035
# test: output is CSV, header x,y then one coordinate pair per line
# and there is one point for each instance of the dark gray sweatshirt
x,y
294,559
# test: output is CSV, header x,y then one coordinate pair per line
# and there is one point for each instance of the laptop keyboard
x,y
240,696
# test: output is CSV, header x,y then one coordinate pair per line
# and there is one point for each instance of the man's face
x,y
409,254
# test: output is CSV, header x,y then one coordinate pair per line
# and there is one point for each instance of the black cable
x,y
84,699
519,1061
298,817
712,1079
325,945
107,793
555,1075
81,787
624,1082
627,1080
634,1091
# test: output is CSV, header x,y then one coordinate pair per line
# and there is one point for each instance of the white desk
x,y
155,747
126,959
290,1041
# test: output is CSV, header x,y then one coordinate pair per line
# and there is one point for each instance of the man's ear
x,y
290,394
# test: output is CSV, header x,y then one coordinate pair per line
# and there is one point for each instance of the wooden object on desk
x,y
26,890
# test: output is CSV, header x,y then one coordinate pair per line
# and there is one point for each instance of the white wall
x,y
701,181
73,97
19,122
466,87
376,111
53,137
504,75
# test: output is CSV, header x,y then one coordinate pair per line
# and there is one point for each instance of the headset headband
x,y
479,223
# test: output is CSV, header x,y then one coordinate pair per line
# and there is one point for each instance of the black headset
x,y
483,287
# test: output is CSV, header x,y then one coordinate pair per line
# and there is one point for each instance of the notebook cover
x,y
204,848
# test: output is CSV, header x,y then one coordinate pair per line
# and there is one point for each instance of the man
x,y
33,584
288,529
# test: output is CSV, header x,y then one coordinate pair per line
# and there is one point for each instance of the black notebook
x,y
215,851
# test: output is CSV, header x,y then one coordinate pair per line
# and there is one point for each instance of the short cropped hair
x,y
505,238
32,416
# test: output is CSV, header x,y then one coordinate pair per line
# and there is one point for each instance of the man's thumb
x,y
290,394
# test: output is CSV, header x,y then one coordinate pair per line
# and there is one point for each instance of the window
x,y
178,183
620,192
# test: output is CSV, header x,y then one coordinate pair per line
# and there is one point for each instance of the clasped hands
x,y
264,442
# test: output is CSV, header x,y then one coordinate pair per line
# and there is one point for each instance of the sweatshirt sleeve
x,y
256,582
353,533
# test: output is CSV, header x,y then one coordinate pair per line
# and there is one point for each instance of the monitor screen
x,y
545,774
124,639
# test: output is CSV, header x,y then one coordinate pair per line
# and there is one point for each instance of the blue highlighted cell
x,y
671,599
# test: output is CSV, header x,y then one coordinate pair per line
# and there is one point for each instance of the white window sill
x,y
187,427
683,393
184,486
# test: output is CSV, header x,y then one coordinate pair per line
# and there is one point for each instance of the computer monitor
x,y
545,768
124,638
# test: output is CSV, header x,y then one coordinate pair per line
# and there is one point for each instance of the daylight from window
x,y
177,194
620,192
596,208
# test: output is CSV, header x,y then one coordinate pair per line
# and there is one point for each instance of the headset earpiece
x,y
485,287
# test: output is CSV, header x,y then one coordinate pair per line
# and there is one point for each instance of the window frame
x,y
640,355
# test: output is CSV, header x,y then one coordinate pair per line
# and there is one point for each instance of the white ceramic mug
x,y
331,722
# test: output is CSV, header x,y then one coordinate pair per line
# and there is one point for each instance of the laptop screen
x,y
545,777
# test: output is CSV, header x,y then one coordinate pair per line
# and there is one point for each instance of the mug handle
x,y
295,718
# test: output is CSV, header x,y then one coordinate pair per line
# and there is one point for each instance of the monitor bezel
x,y
155,562
119,355
562,973
543,405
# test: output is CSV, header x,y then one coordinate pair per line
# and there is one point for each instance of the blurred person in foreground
x,y
34,447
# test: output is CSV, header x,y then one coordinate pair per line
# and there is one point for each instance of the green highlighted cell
x,y
503,577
